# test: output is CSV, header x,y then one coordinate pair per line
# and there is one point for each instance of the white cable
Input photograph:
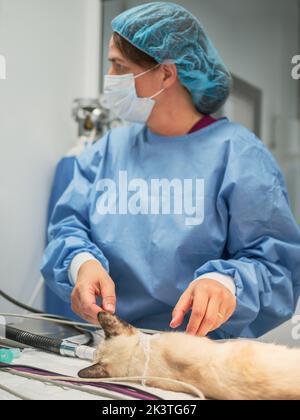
x,y
47,317
192,388
144,340
36,291
48,380
54,320
56,381
141,378
14,393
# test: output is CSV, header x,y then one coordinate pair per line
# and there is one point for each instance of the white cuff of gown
x,y
226,281
76,264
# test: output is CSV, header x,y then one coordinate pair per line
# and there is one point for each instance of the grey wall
x,y
257,40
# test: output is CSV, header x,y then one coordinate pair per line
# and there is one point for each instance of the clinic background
x,y
56,51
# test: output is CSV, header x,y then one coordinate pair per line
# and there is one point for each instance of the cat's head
x,y
115,352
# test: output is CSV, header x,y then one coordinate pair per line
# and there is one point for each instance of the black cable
x,y
52,345
19,304
46,317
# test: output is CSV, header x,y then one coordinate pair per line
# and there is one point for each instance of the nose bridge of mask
x,y
128,81
120,96
119,83
123,82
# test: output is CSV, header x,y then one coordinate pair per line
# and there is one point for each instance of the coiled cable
x,y
52,345
47,317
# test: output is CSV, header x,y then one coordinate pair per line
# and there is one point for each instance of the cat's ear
x,y
94,372
114,326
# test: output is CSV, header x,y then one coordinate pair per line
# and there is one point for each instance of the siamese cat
x,y
233,370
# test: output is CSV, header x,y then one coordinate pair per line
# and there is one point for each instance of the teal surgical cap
x,y
169,33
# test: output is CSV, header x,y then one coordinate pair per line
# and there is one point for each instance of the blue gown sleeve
x,y
263,244
69,229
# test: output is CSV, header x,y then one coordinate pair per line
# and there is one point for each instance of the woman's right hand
x,y
93,281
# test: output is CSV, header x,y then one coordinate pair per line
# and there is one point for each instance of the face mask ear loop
x,y
147,71
158,93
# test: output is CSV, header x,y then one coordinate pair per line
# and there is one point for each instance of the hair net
x,y
167,31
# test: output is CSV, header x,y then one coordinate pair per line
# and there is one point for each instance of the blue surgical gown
x,y
248,230
63,177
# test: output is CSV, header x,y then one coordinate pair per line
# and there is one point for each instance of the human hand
x,y
212,305
93,281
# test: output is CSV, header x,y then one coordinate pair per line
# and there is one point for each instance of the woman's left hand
x,y
212,305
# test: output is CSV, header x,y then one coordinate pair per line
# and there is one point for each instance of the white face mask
x,y
121,98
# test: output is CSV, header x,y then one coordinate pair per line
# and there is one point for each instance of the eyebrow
x,y
113,60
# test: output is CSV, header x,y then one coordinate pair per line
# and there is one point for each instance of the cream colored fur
x,y
235,370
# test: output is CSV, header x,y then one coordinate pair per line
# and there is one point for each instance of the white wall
x,y
111,9
52,53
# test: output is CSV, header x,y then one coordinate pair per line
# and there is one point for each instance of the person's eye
x,y
120,68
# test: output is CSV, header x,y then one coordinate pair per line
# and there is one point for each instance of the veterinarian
x,y
176,220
